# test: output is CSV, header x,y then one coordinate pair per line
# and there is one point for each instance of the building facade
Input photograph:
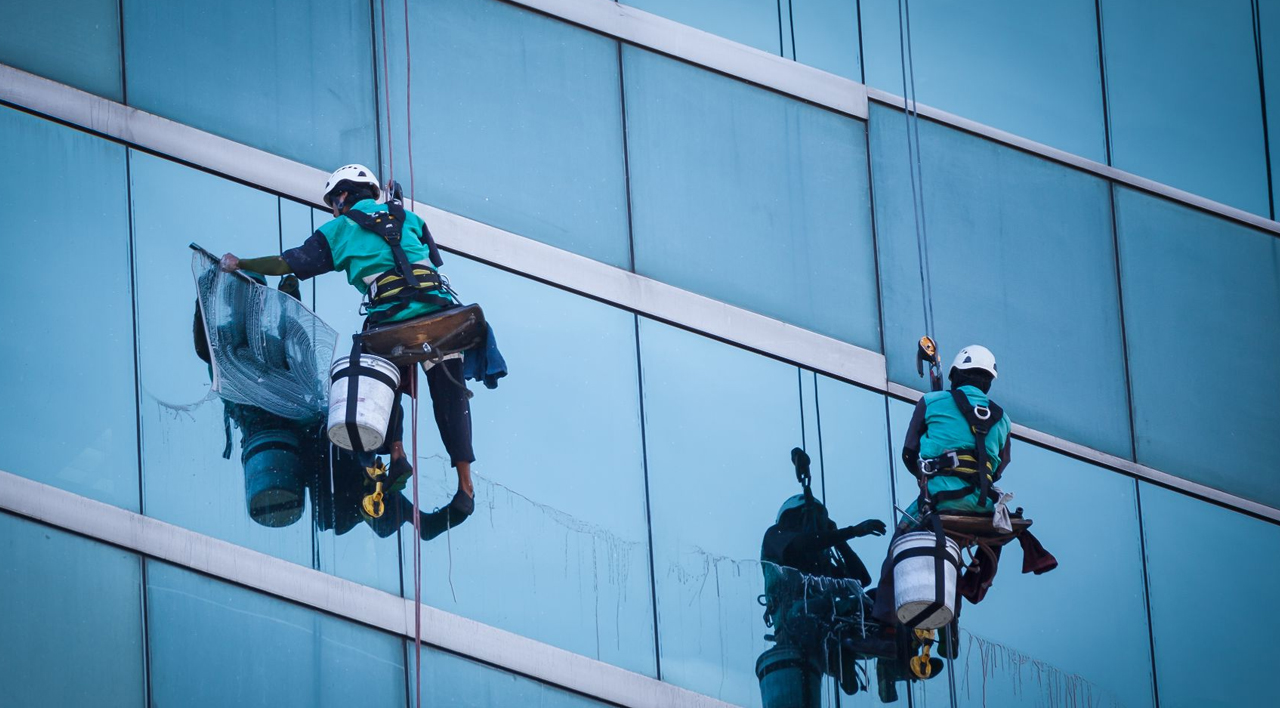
x,y
702,233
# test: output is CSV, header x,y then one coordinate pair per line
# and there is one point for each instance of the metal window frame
x,y
534,259
348,600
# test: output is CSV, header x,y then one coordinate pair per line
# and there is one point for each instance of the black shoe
x,y
463,504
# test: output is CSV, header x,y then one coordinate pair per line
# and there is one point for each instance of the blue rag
x,y
484,363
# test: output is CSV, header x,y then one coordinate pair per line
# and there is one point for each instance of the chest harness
x,y
406,282
968,465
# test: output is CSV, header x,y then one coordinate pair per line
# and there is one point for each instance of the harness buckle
x,y
982,412
928,466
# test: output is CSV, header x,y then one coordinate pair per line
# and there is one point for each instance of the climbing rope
x,y
386,92
417,545
914,167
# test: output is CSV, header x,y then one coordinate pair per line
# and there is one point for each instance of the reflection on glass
x,y
449,680
215,644
70,620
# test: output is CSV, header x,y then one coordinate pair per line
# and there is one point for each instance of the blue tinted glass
x,y
66,356
215,644
74,42
751,198
1198,555
71,616
1201,302
1269,25
1022,260
517,122
294,78
557,549
826,35
1009,654
750,22
186,480
449,680
1155,54
719,426
1030,68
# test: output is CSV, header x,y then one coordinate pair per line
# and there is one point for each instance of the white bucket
x,y
374,399
913,580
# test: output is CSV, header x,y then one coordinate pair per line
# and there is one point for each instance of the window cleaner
x,y
413,317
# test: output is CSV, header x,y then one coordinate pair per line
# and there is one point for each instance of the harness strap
x,y
980,419
390,226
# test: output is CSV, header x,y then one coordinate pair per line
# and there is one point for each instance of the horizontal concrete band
x,y
530,258
341,598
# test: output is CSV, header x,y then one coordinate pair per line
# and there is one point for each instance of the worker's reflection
x,y
284,459
819,606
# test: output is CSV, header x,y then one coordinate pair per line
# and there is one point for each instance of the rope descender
x,y
927,353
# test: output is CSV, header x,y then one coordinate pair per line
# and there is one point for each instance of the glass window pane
x,y
75,42
750,22
1202,557
186,480
719,426
71,617
216,644
1156,55
826,36
66,356
1202,307
1036,238
1269,26
517,122
449,680
557,549
1030,68
751,198
294,78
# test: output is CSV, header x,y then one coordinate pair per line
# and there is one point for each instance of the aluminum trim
x,y
534,259
342,598
708,50
1119,464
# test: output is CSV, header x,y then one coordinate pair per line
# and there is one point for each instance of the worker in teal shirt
x,y
347,243
941,440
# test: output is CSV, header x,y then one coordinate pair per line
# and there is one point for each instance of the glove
x,y
870,527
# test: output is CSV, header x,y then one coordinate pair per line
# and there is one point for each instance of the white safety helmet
x,y
976,356
358,174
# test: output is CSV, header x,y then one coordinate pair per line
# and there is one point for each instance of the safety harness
x,y
966,465
407,282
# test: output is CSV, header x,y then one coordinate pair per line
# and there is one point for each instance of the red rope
x,y
408,100
386,92
417,545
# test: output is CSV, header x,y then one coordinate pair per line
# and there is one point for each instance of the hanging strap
x,y
355,369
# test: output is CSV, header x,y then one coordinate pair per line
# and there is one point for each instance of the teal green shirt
x,y
946,429
343,245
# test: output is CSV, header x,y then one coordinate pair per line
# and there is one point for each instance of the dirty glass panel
x,y
751,198
187,429
71,615
75,42
1021,259
216,644
517,122
557,547
449,680
66,356
1029,68
750,22
1008,653
826,36
719,426
294,78
1159,56
1202,304
1199,557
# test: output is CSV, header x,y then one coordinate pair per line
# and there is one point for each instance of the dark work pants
x,y
451,406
